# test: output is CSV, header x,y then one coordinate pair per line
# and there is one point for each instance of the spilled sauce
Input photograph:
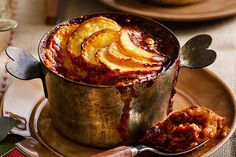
x,y
173,91
126,93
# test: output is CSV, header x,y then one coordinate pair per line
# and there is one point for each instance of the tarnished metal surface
x,y
195,53
95,115
105,116
25,66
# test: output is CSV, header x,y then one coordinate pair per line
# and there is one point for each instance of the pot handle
x,y
195,53
24,66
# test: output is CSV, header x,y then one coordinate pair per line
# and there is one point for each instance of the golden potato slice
x,y
63,34
132,50
115,50
86,29
61,37
96,41
122,65
58,46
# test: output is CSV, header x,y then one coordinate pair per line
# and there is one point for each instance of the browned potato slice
x,y
63,34
115,50
59,45
122,65
132,50
86,29
61,37
96,41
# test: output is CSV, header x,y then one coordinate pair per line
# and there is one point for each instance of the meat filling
x,y
185,129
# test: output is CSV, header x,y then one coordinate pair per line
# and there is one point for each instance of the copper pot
x,y
106,116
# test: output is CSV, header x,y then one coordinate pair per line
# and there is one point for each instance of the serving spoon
x,y
7,24
128,151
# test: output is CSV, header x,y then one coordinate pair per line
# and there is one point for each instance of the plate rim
x,y
173,17
223,84
233,96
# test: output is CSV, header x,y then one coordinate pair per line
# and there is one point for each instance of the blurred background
x,y
214,17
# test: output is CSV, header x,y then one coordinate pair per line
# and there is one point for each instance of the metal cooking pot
x,y
103,115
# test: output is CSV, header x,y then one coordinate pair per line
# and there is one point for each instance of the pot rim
x,y
46,35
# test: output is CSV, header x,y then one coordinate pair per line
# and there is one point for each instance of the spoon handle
x,y
122,151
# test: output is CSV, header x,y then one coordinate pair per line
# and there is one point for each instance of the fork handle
x,y
122,151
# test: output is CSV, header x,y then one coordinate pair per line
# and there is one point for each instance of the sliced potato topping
x,y
61,37
63,34
133,50
100,47
96,41
57,48
116,50
123,65
86,29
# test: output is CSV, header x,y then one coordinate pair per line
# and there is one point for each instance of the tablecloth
x,y
31,17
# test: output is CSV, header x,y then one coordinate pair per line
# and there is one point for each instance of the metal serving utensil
x,y
125,151
7,24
